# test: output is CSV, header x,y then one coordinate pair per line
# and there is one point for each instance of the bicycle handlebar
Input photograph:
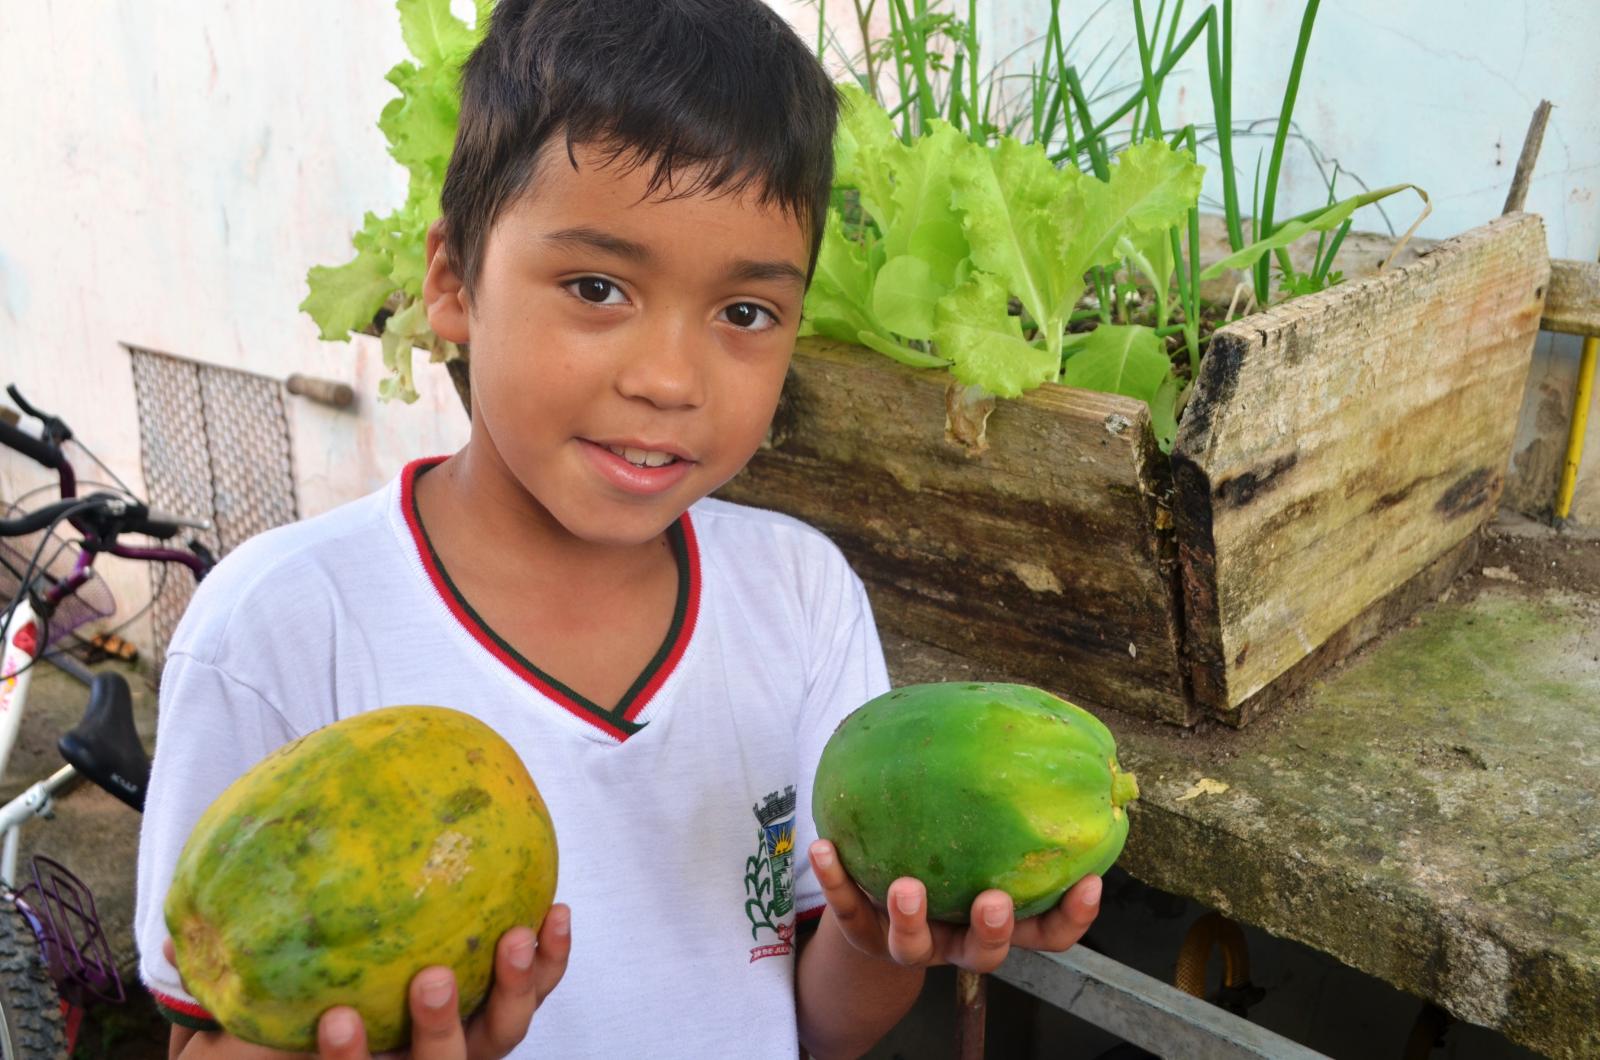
x,y
40,518
38,449
101,517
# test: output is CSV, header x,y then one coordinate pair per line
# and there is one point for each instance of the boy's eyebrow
x,y
759,271
744,269
595,239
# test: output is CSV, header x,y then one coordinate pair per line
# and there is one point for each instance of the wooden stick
x,y
1530,153
971,1009
325,391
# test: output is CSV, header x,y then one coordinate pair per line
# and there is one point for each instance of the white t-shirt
x,y
682,817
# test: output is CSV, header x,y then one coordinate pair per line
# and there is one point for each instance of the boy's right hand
x,y
524,975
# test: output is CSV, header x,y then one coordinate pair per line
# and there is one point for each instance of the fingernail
x,y
995,915
436,990
822,856
522,955
340,1028
909,902
1091,891
563,921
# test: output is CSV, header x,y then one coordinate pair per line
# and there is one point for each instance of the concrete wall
x,y
169,181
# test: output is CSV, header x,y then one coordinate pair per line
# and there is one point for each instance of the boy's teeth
x,y
642,457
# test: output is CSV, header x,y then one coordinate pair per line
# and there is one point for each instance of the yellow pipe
x,y
1575,432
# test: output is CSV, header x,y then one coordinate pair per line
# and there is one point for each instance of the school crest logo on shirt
x,y
769,875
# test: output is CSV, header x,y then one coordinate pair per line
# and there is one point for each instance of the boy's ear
x,y
443,293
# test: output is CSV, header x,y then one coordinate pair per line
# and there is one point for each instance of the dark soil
x,y
1520,554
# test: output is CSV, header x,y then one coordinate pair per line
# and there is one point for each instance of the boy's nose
x,y
667,369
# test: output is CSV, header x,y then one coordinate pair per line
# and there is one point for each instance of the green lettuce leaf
x,y
1151,189
838,302
1151,253
346,298
906,355
925,250
420,125
1009,195
434,35
400,335
922,191
984,342
904,294
1128,359
864,150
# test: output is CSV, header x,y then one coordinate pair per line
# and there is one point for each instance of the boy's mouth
x,y
643,457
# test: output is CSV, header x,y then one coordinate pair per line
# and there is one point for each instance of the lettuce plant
x,y
953,233
388,267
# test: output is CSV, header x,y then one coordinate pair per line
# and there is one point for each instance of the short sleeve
x,y
211,729
848,672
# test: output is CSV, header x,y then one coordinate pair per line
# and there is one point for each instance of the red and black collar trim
x,y
619,721
184,1013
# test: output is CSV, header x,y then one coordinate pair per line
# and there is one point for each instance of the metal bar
x,y
1143,1010
8,860
36,801
67,664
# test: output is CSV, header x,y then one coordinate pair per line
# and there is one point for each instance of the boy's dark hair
x,y
720,89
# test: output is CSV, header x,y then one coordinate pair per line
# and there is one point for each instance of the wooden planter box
x,y
1337,456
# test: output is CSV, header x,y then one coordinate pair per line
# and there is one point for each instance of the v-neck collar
x,y
620,721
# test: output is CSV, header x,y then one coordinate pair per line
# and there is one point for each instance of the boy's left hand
x,y
902,933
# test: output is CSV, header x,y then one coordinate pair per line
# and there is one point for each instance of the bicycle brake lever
x,y
177,520
55,429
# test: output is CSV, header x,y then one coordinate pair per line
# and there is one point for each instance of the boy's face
x,y
627,352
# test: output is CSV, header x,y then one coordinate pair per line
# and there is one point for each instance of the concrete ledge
x,y
1426,814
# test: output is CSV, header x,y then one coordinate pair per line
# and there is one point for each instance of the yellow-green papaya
x,y
970,786
347,861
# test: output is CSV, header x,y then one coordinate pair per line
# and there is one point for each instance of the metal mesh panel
x,y
215,445
247,435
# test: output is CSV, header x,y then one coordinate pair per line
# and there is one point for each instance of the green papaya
x,y
349,860
970,786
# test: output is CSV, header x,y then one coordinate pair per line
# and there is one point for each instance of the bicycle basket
x,y
92,601
74,946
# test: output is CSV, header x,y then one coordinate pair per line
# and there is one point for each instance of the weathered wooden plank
x,y
1040,555
1336,445
1383,613
1573,303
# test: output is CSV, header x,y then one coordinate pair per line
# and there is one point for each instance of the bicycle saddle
x,y
105,747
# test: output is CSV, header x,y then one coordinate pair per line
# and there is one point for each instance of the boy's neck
x,y
589,617
471,505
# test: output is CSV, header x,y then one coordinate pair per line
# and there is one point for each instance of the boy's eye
x,y
595,290
750,317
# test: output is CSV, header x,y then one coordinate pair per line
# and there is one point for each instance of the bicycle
x,y
54,956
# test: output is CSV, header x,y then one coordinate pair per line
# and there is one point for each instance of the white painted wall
x,y
168,182
170,179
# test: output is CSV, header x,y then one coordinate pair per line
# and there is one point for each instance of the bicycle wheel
x,y
31,1024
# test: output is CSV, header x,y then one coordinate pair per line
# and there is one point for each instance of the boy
x,y
629,223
